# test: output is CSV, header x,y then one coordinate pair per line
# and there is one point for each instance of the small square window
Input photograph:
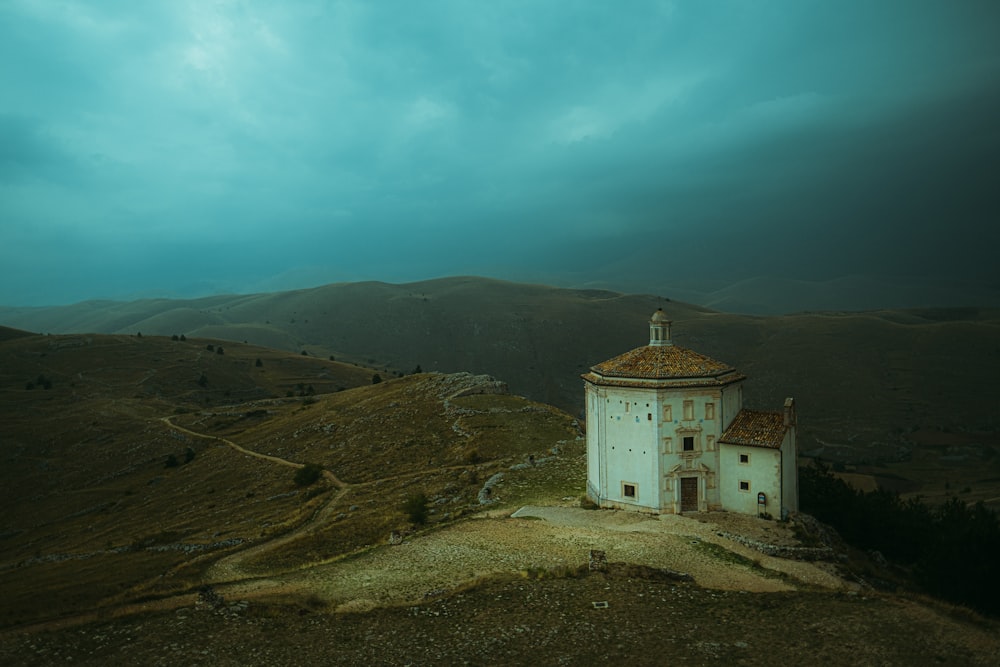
x,y
649,416
744,458
628,490
744,486
688,443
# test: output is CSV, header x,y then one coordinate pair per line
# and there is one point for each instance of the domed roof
x,y
659,363
659,316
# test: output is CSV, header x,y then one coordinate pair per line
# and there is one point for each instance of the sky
x,y
184,148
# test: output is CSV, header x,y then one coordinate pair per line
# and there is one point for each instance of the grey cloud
x,y
395,141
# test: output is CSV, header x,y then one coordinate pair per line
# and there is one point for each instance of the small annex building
x,y
667,433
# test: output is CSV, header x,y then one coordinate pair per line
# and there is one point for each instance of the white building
x,y
667,433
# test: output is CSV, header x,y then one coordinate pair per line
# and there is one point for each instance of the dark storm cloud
x,y
256,146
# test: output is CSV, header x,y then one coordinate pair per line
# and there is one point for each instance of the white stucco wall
x,y
789,473
762,471
626,450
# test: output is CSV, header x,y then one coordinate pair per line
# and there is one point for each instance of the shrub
x,y
950,548
415,508
258,363
189,455
376,378
171,461
308,474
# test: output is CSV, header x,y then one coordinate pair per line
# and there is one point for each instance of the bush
x,y
308,474
258,363
171,461
376,378
951,548
415,508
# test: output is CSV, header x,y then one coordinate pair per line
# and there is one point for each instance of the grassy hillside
x,y
911,390
122,479
129,484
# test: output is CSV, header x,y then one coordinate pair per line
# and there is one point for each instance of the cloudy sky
x,y
182,148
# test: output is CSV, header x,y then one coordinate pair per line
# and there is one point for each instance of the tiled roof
x,y
653,362
755,429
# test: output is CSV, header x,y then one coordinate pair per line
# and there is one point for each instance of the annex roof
x,y
753,428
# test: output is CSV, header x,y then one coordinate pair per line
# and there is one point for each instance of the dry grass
x,y
92,502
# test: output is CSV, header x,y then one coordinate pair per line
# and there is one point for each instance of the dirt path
x,y
228,569
533,538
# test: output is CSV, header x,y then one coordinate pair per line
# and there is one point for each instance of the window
x,y
689,443
688,409
668,413
628,490
649,416
627,410
667,444
744,486
710,411
744,459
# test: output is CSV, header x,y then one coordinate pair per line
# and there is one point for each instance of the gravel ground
x,y
552,538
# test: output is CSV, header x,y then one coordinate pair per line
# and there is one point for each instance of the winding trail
x,y
227,569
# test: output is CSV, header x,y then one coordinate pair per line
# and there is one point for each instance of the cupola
x,y
659,329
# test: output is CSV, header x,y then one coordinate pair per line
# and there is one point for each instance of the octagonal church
x,y
667,433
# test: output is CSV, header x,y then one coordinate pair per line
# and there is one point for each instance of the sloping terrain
x,y
130,485
126,475
905,397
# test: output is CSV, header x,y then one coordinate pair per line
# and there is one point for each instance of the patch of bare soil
x,y
553,539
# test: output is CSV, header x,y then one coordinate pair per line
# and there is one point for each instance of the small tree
x,y
376,378
418,370
415,508
183,337
171,461
258,363
189,455
308,474
203,381
210,347
174,337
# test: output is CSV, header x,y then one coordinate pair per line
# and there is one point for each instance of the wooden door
x,y
689,494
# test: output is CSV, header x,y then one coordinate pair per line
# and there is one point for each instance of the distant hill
x,y
6,333
910,387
